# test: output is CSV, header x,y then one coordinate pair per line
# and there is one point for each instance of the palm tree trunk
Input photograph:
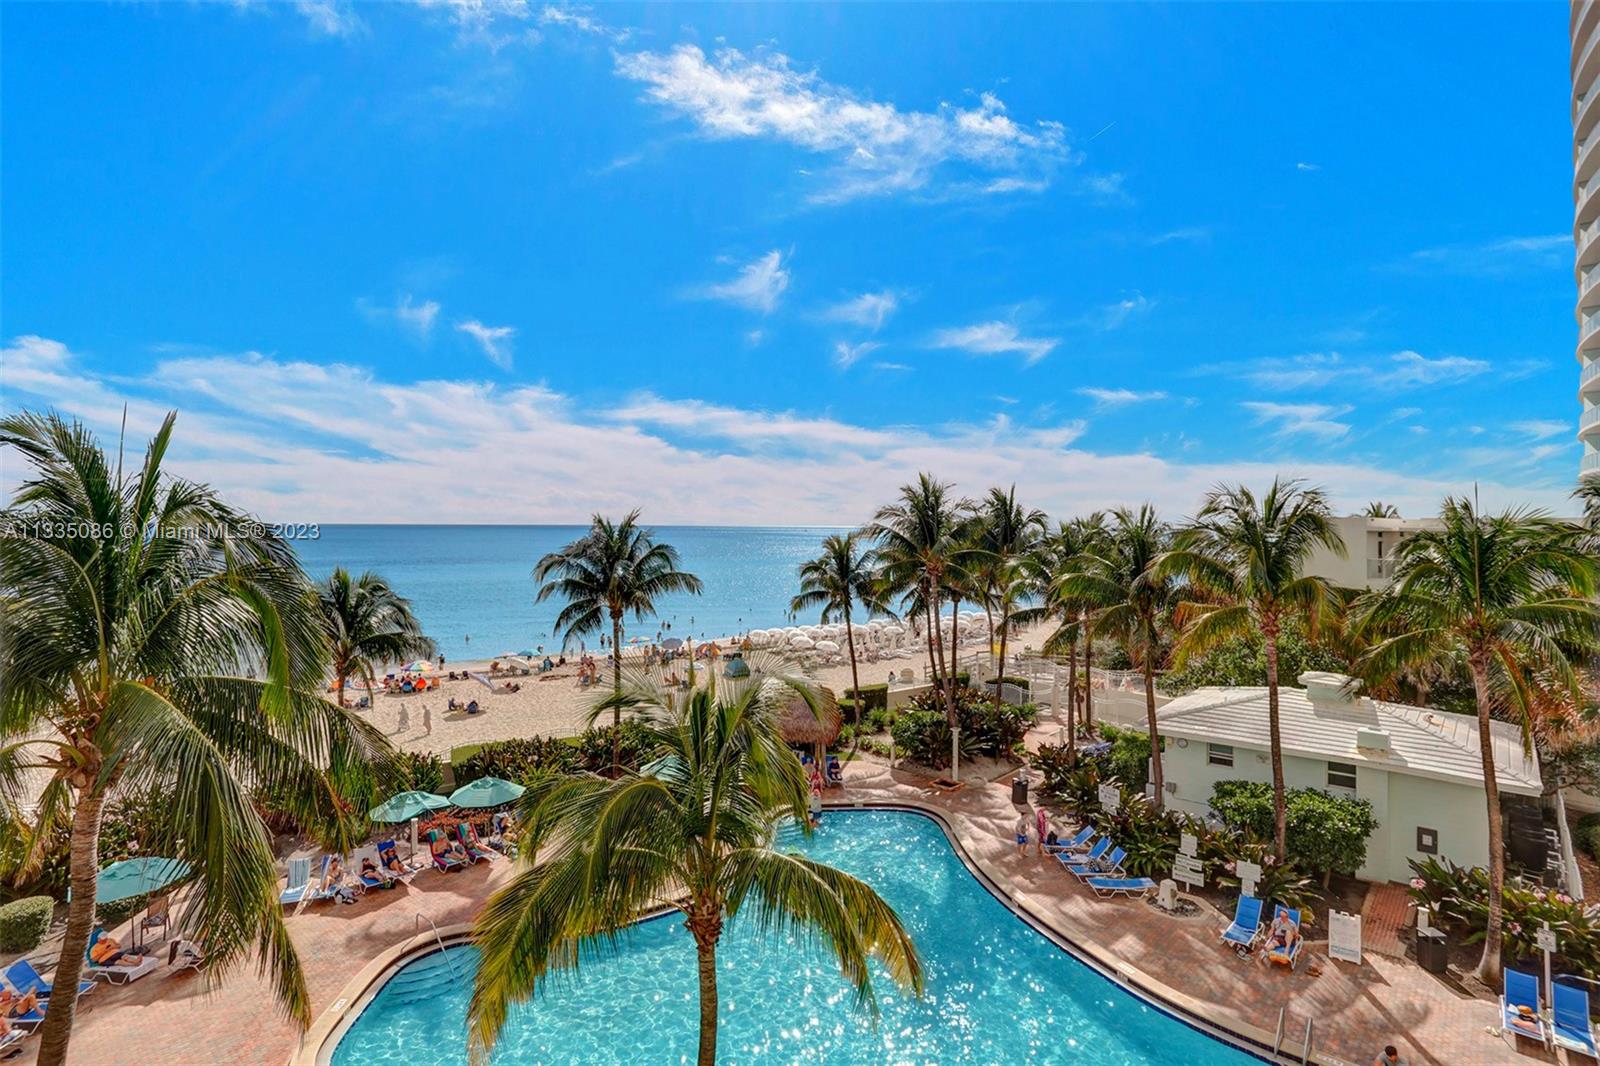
x,y
616,689
84,868
855,678
1000,676
1280,805
1155,734
706,927
1072,702
935,646
1088,678
955,651
1489,965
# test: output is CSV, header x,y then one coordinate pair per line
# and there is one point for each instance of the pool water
x,y
997,991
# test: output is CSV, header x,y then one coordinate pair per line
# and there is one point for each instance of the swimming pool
x,y
997,990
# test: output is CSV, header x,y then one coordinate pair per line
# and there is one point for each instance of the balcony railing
x,y
1382,569
1591,461
1590,416
1589,373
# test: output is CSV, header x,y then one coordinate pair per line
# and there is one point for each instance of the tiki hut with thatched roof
x,y
800,726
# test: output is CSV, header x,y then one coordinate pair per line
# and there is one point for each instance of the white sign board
x,y
1188,869
1344,937
1545,938
1110,798
1188,845
1248,873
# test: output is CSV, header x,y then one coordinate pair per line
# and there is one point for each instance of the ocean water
x,y
997,991
472,586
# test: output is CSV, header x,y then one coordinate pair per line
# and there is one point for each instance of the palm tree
x,y
1245,558
841,576
1132,600
1513,595
1379,509
1058,555
693,830
613,569
131,606
1006,533
367,625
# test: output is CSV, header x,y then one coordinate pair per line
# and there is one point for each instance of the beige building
x,y
1585,31
1370,545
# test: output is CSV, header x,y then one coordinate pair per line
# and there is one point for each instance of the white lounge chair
x,y
299,882
118,973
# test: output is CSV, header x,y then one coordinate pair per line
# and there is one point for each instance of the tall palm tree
x,y
692,830
614,569
843,575
1006,532
1132,599
368,624
1244,558
1059,553
1379,509
132,604
1514,595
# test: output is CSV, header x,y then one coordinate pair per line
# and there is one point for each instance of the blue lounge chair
x,y
318,891
15,1036
389,859
27,1022
1570,1027
23,978
1079,840
1522,991
116,971
441,860
1246,927
476,849
299,882
1095,854
1106,887
1107,866
1287,956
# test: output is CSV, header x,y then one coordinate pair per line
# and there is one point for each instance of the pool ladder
x,y
1305,1044
416,927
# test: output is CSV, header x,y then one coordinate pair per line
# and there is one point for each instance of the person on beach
x,y
405,720
427,720
1389,1056
816,806
1023,824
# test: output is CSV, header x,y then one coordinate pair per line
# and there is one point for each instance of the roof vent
x,y
1326,689
1372,740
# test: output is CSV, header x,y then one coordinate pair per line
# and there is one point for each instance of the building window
x,y
1342,775
1427,841
1219,754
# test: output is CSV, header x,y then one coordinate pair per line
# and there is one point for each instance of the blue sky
x,y
486,261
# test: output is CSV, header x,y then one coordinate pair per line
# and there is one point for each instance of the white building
x,y
1369,545
1420,769
1584,25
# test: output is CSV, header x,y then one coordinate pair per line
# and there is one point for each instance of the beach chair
x,y
1078,841
15,1036
111,971
186,955
299,882
23,978
27,1023
1109,865
1519,1007
1570,1027
1106,887
316,892
155,918
476,849
1094,854
388,857
1246,927
440,860
1287,956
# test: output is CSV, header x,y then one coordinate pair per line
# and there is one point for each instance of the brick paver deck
x,y
1383,915
175,1019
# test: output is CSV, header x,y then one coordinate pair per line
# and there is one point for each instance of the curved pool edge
x,y
317,1044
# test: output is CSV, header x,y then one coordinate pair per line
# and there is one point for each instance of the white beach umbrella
x,y
801,642
827,646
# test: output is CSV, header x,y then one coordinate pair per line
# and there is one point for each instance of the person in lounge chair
x,y
1283,933
369,868
391,862
15,1006
107,951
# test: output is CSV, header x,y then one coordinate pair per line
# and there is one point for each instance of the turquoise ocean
x,y
472,586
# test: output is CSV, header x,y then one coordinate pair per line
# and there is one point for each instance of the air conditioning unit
x,y
1372,739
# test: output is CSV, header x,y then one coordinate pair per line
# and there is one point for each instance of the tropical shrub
x,y
520,760
1130,755
1282,882
1458,896
923,735
1326,833
24,923
1587,834
921,731
878,720
1242,661
872,698
1051,763
1149,836
594,746
419,771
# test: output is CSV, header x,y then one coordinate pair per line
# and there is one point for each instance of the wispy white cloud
x,y
1115,315
245,427
1394,373
758,285
1543,428
845,354
415,317
494,340
1301,419
1186,234
995,338
1106,398
1108,188
1492,258
870,309
1308,166
875,148
330,18
1409,369
491,23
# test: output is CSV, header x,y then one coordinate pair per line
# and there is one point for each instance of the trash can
x,y
1433,950
1019,789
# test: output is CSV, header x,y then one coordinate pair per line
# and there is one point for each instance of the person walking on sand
x,y
405,720
1022,833
427,720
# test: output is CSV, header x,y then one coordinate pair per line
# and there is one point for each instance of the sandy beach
x,y
553,704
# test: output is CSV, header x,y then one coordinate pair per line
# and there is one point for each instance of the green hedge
x,y
24,923
1325,832
1130,756
873,697
518,760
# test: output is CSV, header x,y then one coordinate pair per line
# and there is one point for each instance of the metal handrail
x,y
1305,1049
437,939
1277,1039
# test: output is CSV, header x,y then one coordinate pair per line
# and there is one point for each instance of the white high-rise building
x,y
1585,29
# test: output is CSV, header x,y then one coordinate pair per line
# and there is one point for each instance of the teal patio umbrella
x,y
408,807
486,792
128,878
